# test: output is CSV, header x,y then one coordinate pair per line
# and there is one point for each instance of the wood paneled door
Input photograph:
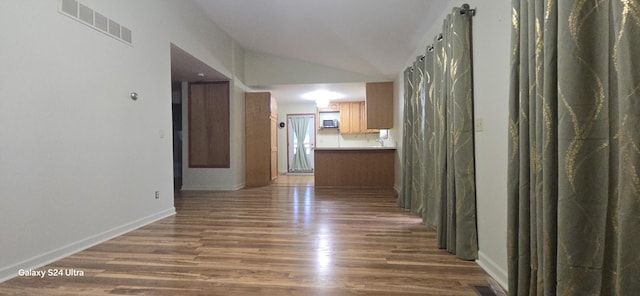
x,y
261,138
274,145
209,136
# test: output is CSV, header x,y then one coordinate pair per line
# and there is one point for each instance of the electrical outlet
x,y
157,194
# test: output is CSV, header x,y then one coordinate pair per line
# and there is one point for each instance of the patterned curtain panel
x,y
404,198
574,168
438,147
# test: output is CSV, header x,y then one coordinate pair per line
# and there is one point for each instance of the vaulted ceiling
x,y
371,37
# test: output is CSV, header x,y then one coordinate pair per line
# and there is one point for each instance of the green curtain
x,y
431,212
417,134
438,145
404,198
574,164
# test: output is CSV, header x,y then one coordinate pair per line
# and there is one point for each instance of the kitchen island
x,y
354,167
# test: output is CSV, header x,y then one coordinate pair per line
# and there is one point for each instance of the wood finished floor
x,y
276,240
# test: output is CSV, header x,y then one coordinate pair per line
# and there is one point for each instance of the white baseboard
x,y
214,188
493,269
72,248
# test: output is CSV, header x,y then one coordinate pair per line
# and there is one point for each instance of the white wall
x,y
265,69
238,147
491,55
80,161
332,138
492,48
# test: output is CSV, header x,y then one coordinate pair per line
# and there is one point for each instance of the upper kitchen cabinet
x,y
379,105
353,118
350,118
363,121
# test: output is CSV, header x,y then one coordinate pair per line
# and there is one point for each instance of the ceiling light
x,y
322,95
200,75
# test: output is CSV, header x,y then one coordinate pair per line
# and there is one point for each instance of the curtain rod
x,y
465,8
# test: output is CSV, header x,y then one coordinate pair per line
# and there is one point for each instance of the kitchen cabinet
x,y
328,112
261,138
332,112
363,121
353,118
332,107
379,105
350,118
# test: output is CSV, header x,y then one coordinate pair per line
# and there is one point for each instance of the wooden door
x,y
274,147
258,138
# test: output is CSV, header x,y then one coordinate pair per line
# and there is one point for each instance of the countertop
x,y
355,148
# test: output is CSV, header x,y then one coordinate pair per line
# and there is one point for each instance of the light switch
x,y
479,125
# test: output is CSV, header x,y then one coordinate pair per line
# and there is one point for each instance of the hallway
x,y
275,240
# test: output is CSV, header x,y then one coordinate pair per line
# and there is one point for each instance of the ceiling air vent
x,y
95,20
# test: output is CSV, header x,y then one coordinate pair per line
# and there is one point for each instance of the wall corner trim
x,y
493,269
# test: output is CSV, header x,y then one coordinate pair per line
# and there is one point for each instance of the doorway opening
x,y
301,138
176,118
185,70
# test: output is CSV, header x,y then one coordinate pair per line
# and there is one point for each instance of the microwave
x,y
329,123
